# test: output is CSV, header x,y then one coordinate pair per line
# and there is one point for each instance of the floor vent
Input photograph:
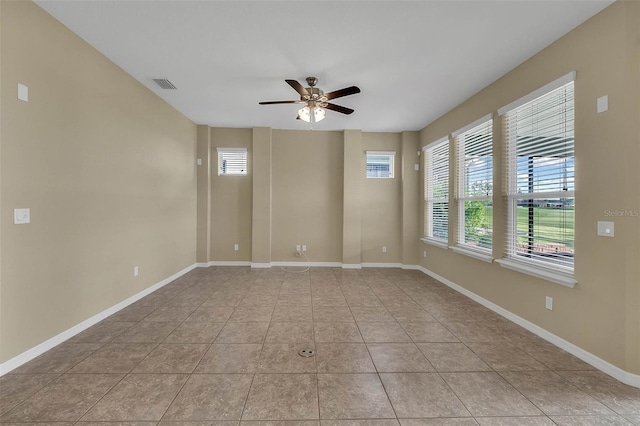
x,y
164,83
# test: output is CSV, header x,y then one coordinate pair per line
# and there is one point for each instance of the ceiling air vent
x,y
164,83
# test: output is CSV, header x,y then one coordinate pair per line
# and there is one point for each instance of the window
x,y
475,185
436,190
232,161
541,177
380,164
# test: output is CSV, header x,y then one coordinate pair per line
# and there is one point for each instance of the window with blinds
x,y
475,184
232,161
436,187
540,181
380,164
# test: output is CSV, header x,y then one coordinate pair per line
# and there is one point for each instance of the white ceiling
x,y
413,60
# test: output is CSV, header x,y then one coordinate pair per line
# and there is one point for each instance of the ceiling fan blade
x,y
342,92
281,102
339,108
298,87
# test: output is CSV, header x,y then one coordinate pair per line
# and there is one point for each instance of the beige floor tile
x,y
473,332
591,421
343,358
147,332
382,332
284,358
353,396
488,394
283,397
211,314
451,421
172,358
170,314
452,357
64,399
230,358
621,398
289,299
290,332
243,332
300,313
428,332
195,332
503,357
337,332
384,422
114,358
251,314
415,395
59,359
102,332
554,358
398,358
371,314
515,421
15,388
553,394
280,423
332,314
139,397
210,397
132,313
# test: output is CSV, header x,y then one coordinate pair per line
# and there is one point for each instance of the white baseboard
x,y
30,354
602,365
381,265
351,266
260,265
309,264
229,263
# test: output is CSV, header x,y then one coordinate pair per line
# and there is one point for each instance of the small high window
x,y
380,164
232,161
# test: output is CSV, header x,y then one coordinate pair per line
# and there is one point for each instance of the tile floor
x,y
393,347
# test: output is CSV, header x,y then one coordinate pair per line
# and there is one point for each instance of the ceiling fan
x,y
315,100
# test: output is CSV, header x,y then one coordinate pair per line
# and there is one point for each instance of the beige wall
x,y
230,200
107,169
307,170
382,204
602,313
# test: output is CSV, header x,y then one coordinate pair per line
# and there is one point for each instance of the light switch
x,y
21,216
199,161
23,92
416,167
602,103
605,229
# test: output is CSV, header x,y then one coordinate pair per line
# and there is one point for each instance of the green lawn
x,y
549,224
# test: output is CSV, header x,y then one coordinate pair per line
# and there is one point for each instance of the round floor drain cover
x,y
306,352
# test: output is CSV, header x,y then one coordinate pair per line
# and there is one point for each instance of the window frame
x,y
392,159
227,150
462,246
429,151
555,271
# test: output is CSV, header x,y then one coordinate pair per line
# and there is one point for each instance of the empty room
x,y
327,213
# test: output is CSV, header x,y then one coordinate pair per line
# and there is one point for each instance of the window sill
x,y
545,274
432,241
476,254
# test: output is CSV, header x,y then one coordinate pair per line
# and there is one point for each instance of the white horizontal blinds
x,y
232,161
541,179
437,190
380,164
475,185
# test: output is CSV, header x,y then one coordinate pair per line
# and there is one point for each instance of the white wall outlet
x,y
602,104
424,253
23,92
236,247
297,247
304,247
605,229
416,167
199,161
136,271
21,216
549,303
384,249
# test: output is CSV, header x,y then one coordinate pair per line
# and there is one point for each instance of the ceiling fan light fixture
x,y
304,114
311,114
